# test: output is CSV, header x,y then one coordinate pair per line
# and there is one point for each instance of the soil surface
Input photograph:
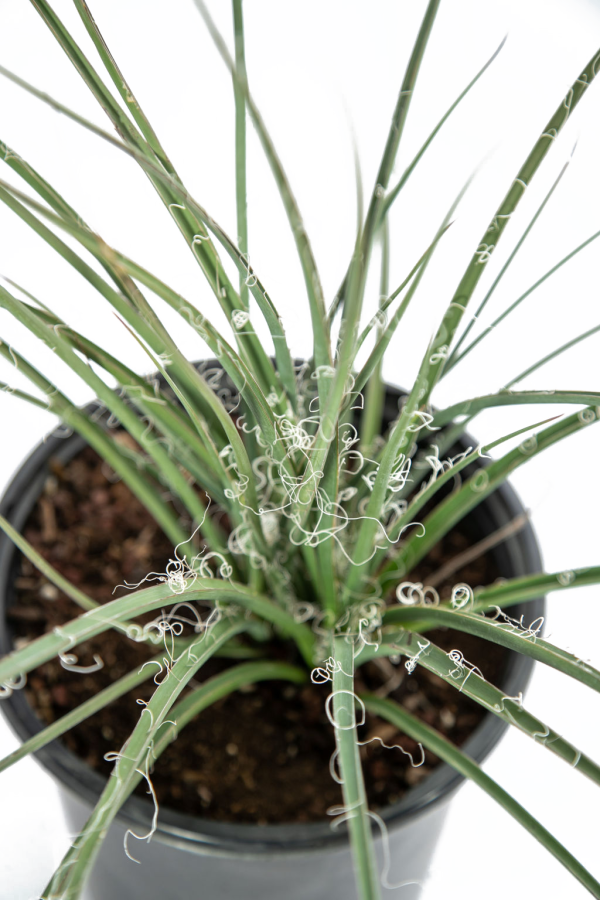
x,y
262,754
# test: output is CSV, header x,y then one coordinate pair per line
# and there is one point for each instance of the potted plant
x,y
316,505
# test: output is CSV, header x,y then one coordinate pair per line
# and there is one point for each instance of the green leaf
x,y
125,464
403,437
53,339
322,350
168,187
386,301
371,418
431,371
355,810
70,875
150,329
529,587
357,272
510,398
377,204
242,490
480,485
209,692
119,267
454,356
541,362
466,678
499,630
116,612
240,143
124,305
84,710
23,395
365,548
524,296
122,86
46,569
158,411
419,731
451,470
393,194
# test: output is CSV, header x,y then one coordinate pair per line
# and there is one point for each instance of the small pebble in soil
x,y
412,701
51,485
413,776
447,718
60,695
204,794
21,642
191,776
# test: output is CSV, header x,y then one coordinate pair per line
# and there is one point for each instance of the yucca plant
x,y
324,516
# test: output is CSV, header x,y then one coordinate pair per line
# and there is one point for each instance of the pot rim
x,y
519,554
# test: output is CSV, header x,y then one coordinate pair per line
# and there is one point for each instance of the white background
x,y
320,71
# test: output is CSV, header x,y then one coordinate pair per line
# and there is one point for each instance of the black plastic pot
x,y
195,858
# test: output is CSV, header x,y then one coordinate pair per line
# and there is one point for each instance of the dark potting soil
x,y
262,754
